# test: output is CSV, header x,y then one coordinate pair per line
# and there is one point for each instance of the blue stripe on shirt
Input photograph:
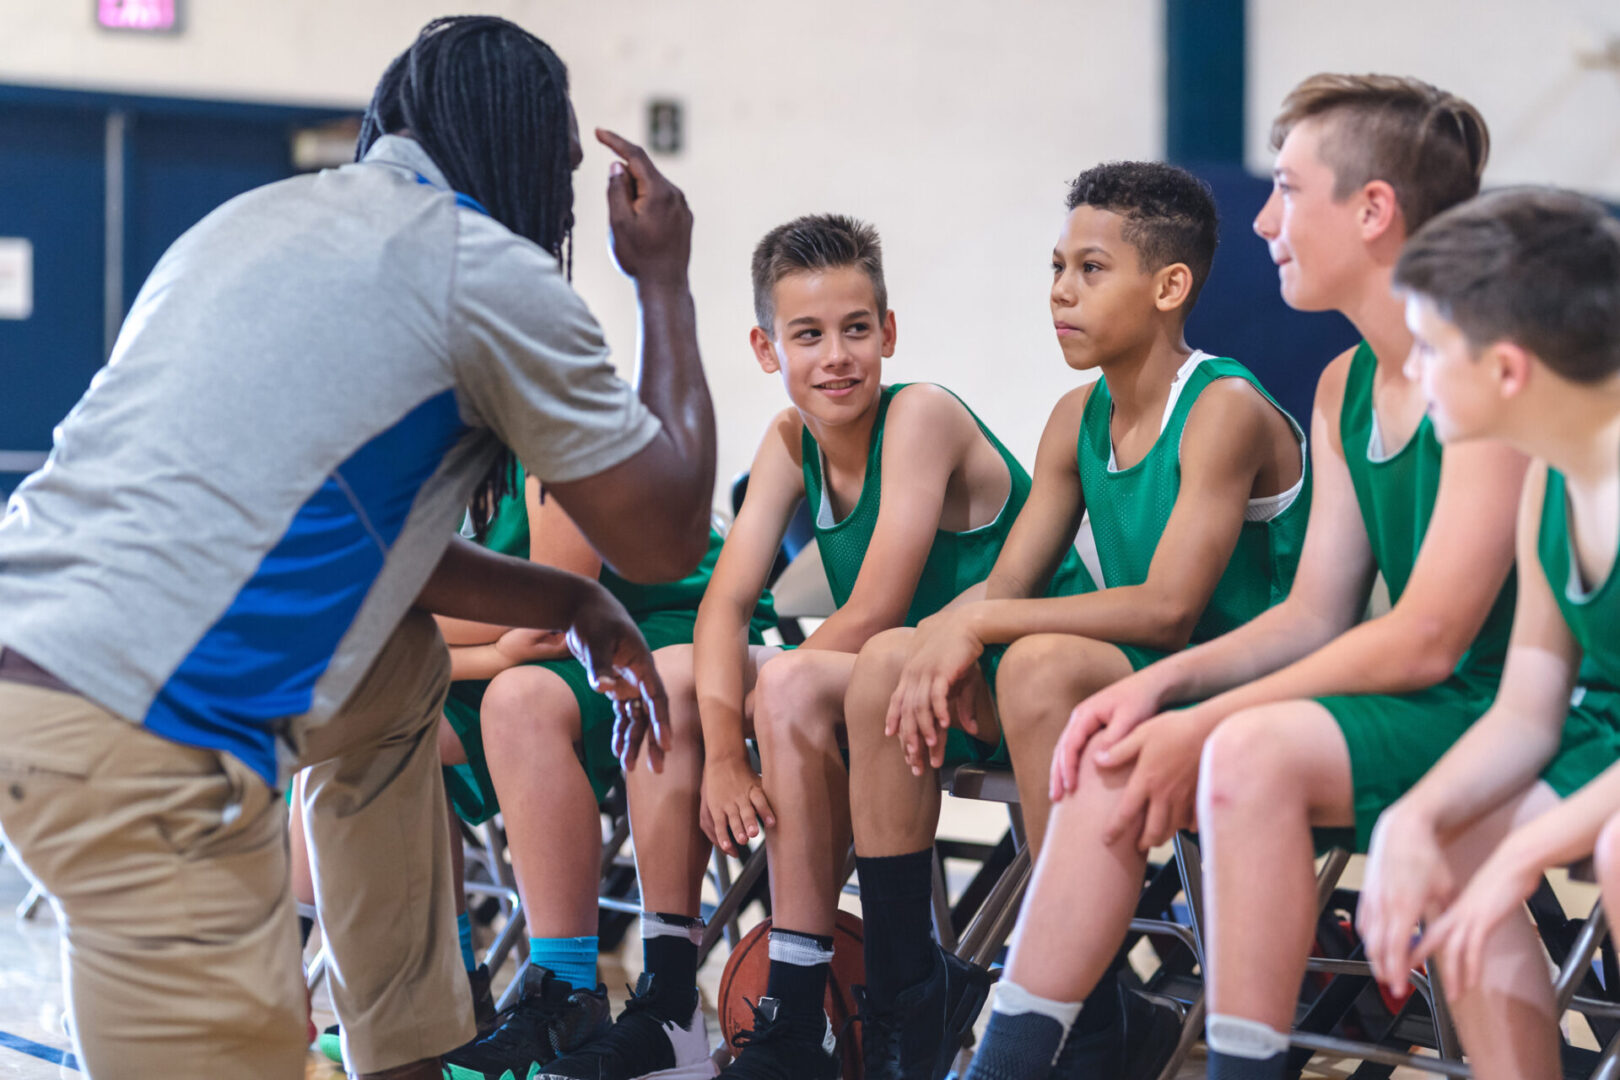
x,y
259,663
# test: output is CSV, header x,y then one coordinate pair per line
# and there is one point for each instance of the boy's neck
x,y
845,446
1574,427
1139,381
1379,317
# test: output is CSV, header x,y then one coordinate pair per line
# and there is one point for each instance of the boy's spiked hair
x,y
1427,144
1535,266
814,242
1169,213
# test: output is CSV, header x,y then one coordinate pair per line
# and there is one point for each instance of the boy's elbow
x,y
1173,624
1430,652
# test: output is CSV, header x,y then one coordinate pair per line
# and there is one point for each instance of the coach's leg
x,y
167,866
375,812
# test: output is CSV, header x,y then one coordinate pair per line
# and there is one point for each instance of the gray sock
x,y
1022,1039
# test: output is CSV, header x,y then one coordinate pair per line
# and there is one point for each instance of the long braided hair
x,y
488,101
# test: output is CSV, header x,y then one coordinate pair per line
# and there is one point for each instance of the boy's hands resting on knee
x,y
1162,755
932,692
1496,893
1407,880
734,803
1104,718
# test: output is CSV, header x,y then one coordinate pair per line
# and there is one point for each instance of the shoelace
x,y
621,1038
764,1030
880,1034
508,1035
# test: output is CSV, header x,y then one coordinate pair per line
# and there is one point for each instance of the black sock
x,y
798,976
1100,1012
897,893
669,954
1230,1067
306,926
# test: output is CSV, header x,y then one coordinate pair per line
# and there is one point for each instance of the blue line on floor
x,y
39,1050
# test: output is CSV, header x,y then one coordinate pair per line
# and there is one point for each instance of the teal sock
x,y
464,931
571,959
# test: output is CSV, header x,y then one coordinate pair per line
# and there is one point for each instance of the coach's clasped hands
x,y
933,692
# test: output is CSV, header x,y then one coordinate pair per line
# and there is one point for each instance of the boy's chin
x,y
1081,360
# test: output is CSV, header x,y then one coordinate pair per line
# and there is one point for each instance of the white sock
x,y
1014,1000
801,950
1240,1038
654,926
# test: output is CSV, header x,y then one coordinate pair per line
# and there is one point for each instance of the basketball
x,y
748,968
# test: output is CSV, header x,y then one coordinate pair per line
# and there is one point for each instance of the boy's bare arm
x,y
1226,442
1466,557
720,638
926,436
1045,530
1501,755
1505,750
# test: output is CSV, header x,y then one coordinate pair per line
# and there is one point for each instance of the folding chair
x,y
995,909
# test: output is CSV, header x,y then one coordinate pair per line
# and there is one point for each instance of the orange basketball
x,y
747,971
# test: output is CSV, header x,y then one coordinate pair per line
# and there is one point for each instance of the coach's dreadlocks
x,y
488,101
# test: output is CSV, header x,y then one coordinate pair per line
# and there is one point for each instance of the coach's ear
x,y
765,351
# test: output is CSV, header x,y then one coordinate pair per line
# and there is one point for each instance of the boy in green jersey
x,y
527,733
1309,719
1197,491
912,498
1514,299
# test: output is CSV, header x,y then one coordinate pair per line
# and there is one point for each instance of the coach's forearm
x,y
673,387
471,582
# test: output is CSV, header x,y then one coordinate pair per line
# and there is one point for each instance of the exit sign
x,y
160,16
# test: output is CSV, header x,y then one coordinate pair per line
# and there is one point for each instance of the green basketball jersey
x,y
1129,508
1593,617
956,560
508,534
1396,495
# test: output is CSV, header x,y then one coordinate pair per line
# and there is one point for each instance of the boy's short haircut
x,y
1169,213
1427,144
1535,266
811,243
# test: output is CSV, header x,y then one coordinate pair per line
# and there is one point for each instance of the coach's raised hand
x,y
649,223
649,516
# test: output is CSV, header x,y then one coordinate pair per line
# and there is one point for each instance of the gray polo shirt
x,y
251,494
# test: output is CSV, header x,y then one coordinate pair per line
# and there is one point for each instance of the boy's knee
x,y
1036,680
787,694
1607,857
674,664
1243,761
879,666
528,702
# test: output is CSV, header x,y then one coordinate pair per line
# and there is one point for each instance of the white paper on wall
x,y
16,278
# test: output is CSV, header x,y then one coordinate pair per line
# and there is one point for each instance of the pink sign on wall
x,y
138,14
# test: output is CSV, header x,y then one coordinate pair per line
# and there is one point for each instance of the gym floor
x,y
34,1044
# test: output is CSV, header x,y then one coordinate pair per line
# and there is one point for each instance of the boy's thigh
x,y
1393,740
987,746
1588,744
